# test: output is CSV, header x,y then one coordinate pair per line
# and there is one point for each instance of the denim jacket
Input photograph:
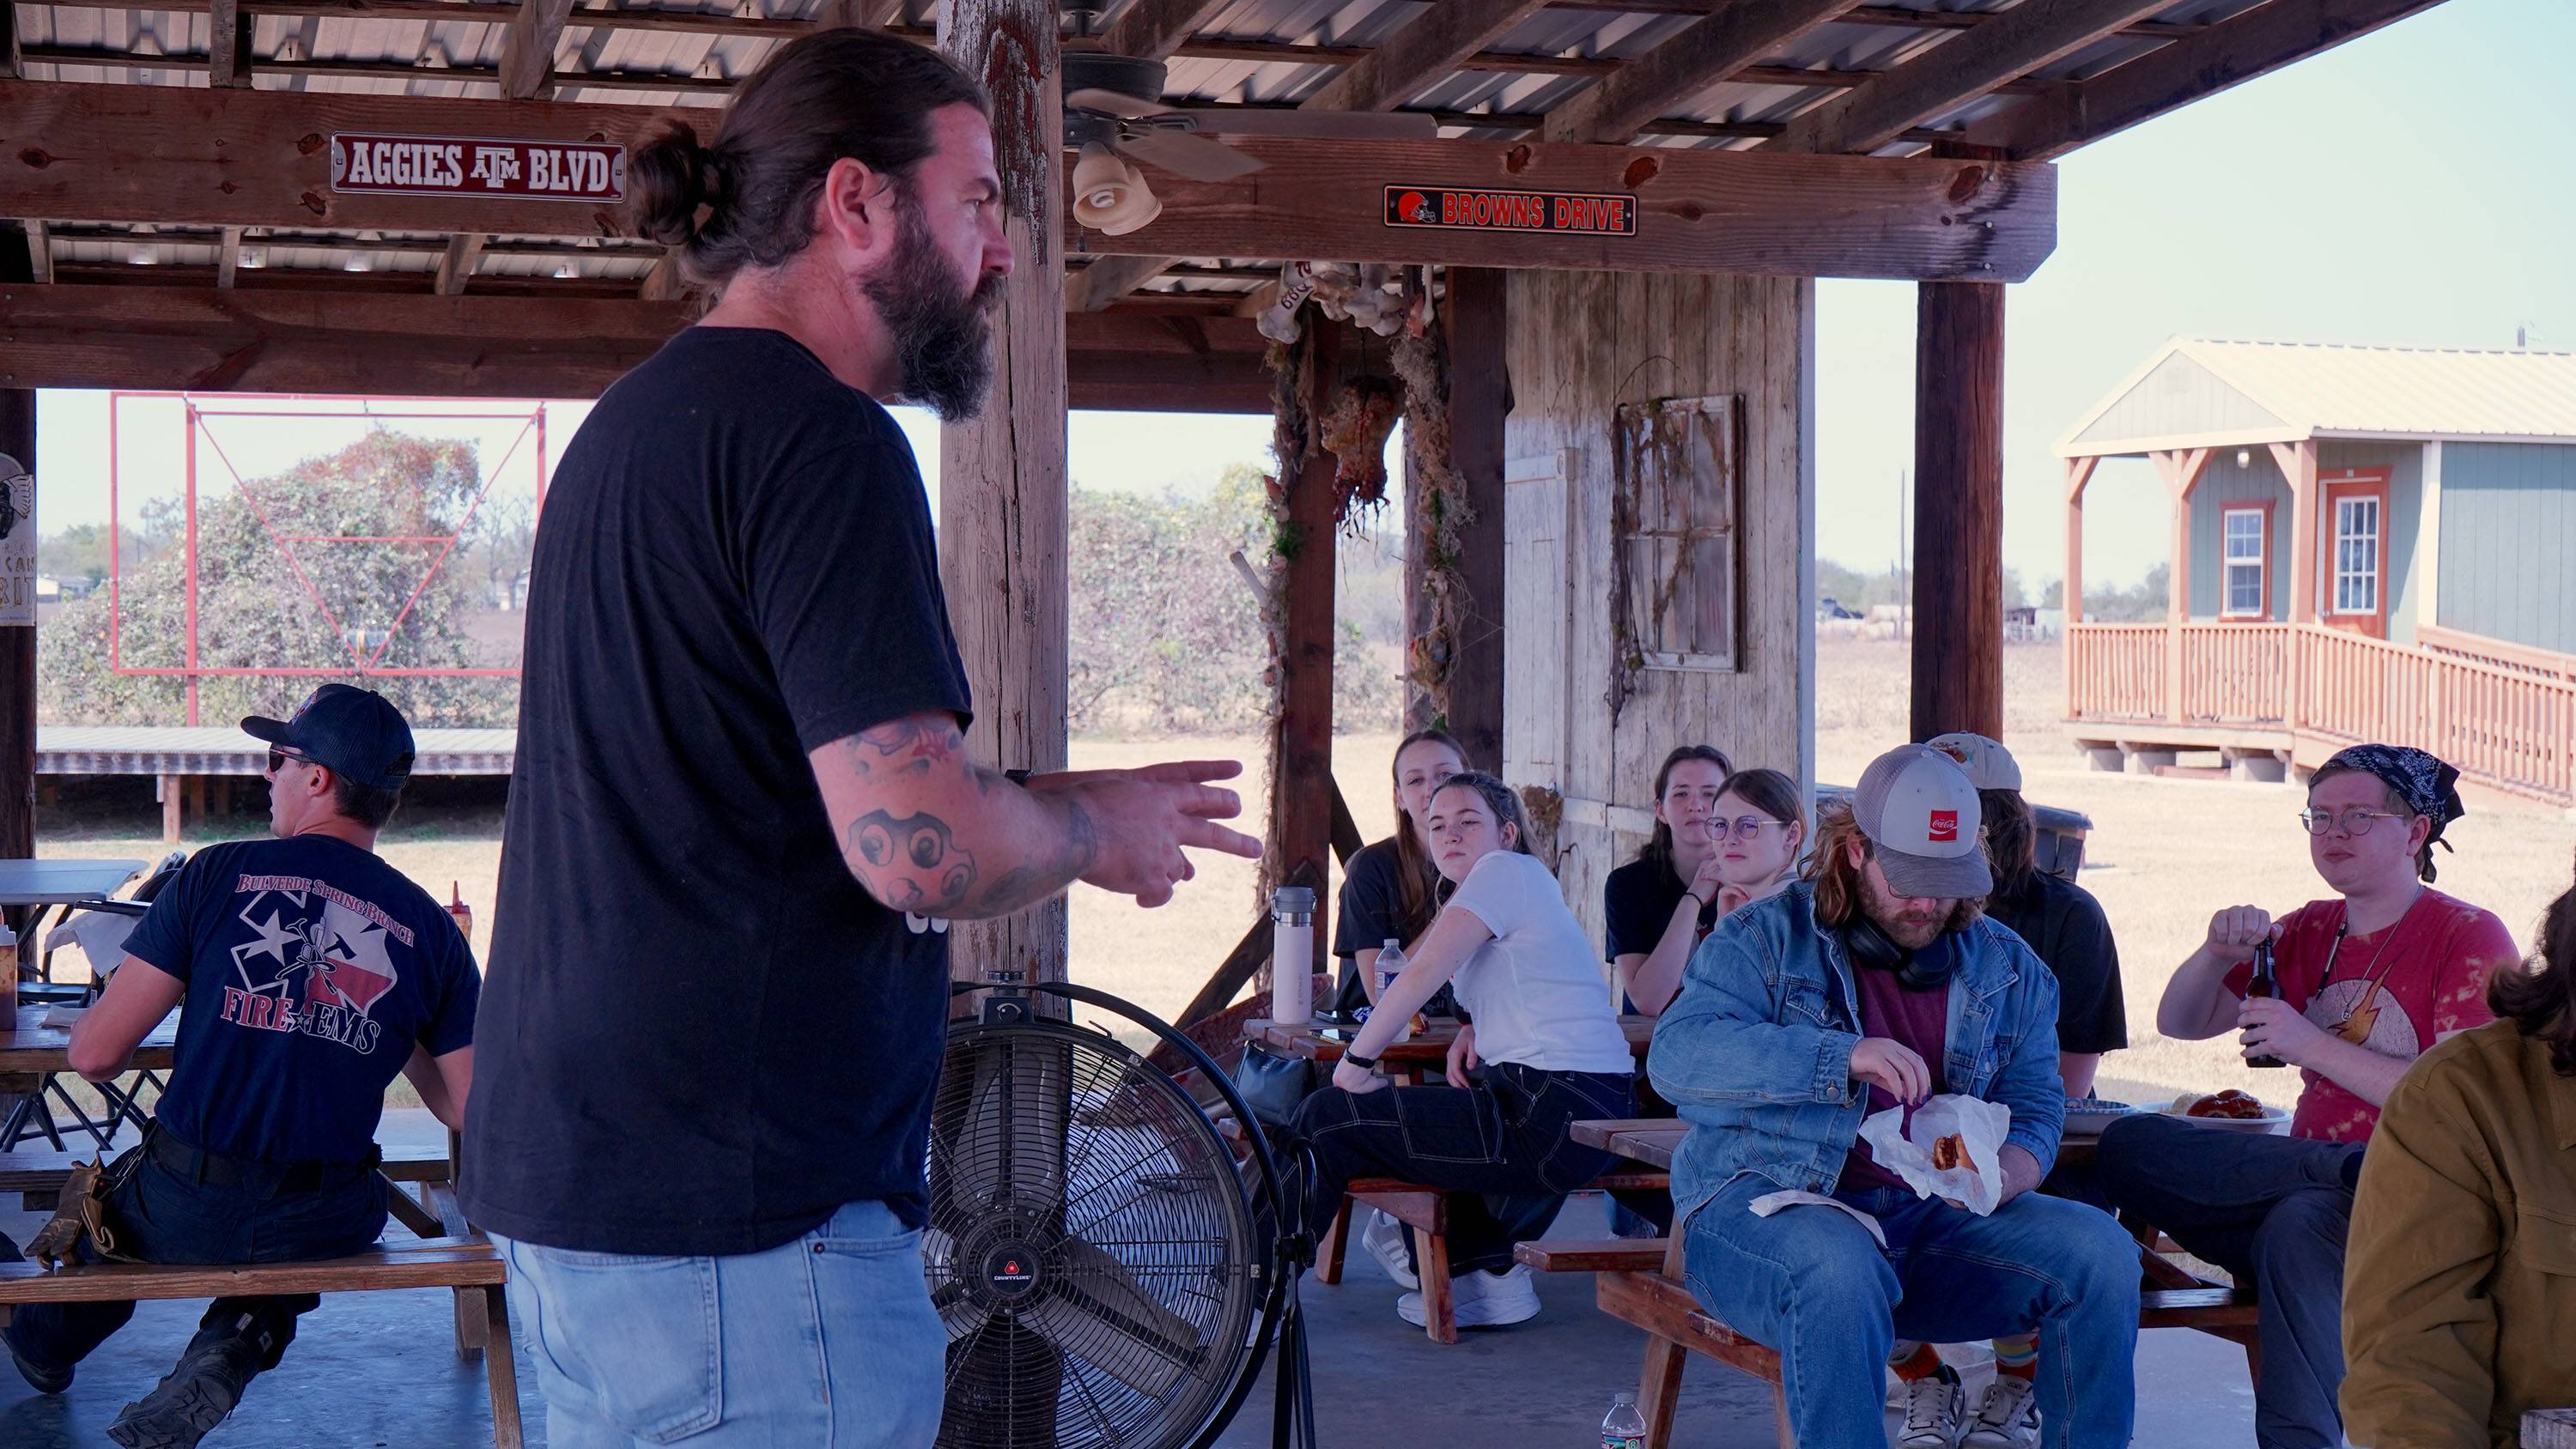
x,y
1755,1051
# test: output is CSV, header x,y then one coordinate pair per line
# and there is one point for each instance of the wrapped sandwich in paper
x,y
1951,1148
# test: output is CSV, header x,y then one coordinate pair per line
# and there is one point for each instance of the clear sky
x,y
2411,187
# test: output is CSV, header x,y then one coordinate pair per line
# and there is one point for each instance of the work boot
x,y
44,1380
192,1398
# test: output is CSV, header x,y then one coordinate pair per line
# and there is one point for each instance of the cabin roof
x,y
2201,392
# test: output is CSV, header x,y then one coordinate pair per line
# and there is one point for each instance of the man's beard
x,y
942,342
1910,929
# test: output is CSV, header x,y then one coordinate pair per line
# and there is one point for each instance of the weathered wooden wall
x,y
1581,344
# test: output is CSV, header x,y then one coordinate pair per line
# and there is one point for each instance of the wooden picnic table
x,y
31,1051
1653,1140
1424,1049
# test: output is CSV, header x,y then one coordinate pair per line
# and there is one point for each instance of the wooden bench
x,y
471,1266
1640,1283
1425,1209
38,1176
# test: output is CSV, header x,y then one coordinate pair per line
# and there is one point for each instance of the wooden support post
x,y
1479,396
18,645
2298,464
2070,598
1301,817
1003,490
2181,469
173,792
1958,507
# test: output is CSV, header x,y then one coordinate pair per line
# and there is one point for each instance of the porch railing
x,y
2116,671
2505,716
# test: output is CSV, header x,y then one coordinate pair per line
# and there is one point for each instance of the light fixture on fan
x,y
1109,195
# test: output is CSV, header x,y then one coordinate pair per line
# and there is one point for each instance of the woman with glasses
x,y
2367,981
1659,905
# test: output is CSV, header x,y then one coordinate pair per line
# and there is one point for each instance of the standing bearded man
x,y
743,811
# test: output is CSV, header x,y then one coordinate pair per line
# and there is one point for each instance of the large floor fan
x,y
1111,1277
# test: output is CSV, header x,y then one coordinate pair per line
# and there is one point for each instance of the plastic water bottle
x,y
1623,1427
1390,964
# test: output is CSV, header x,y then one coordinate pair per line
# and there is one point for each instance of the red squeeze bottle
x,y
2263,983
462,913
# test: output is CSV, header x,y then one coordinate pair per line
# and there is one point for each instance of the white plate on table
x,y
2087,1118
2273,1119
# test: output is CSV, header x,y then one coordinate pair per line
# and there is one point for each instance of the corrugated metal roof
x,y
2330,389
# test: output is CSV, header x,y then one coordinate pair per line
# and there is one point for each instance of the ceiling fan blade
x,y
1095,1310
1115,103
1183,154
1322,125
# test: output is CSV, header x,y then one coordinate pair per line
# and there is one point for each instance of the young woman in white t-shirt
x,y
1551,1053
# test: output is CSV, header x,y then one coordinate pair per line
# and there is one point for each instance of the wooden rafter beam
x,y
1096,287
40,252
1420,52
1699,57
228,257
457,264
528,54
287,340
189,156
228,53
2255,43
840,14
9,61
1969,64
1156,29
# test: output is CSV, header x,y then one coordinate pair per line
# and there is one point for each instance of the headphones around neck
x,y
1871,949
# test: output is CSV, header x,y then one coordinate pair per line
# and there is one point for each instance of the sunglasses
x,y
277,759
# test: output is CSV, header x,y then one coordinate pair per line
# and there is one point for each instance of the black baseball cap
x,y
357,732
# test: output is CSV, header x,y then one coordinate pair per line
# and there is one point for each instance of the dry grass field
x,y
2163,854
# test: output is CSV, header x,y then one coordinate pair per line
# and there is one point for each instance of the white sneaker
x,y
1384,1239
1482,1300
2009,1418
1933,1408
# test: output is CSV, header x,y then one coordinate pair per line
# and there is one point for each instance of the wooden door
x,y
1538,539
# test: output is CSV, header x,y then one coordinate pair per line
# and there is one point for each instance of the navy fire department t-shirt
x,y
313,970
701,1035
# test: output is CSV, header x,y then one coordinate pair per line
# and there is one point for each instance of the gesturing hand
x,y
1139,821
1894,1068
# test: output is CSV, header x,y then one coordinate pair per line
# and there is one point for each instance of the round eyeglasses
x,y
2355,821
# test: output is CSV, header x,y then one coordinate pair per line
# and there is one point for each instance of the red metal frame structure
x,y
363,662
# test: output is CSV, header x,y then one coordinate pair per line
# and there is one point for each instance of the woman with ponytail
x,y
1389,889
1551,1054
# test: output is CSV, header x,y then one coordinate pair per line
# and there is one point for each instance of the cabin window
x,y
1677,513
2356,555
2244,581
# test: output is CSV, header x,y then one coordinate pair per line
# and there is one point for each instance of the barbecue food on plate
x,y
1951,1152
2229,1103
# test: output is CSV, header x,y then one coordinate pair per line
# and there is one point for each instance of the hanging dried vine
x,y
1438,509
1292,368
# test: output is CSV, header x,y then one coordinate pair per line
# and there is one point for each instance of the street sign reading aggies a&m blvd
x,y
447,166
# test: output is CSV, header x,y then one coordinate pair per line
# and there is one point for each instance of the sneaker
x,y
1384,1239
1482,1300
2009,1418
191,1399
1933,1408
44,1381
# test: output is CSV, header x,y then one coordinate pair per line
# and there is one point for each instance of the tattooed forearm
x,y
915,863
904,747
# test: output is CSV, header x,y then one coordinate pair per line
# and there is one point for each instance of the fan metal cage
x,y
1091,1249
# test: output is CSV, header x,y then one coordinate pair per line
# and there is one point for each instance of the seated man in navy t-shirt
x,y
310,973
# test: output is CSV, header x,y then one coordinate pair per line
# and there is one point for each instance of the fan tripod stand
x,y
1109,1273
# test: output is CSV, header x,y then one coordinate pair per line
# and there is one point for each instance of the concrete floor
x,y
376,1371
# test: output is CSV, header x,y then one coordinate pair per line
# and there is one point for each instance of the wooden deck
x,y
2505,715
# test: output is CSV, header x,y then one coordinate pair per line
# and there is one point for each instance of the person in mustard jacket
x,y
2460,1285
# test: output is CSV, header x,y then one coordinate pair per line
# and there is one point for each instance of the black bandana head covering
x,y
2428,787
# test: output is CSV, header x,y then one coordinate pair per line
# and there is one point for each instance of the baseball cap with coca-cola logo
x,y
1918,807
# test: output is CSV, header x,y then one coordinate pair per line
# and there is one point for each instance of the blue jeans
x,y
828,1340
162,1217
1810,1282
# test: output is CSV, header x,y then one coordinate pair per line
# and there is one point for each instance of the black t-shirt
x,y
702,1036
1371,914
1637,901
2065,928
313,969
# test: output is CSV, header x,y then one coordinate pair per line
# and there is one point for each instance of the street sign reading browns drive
x,y
1561,212
446,166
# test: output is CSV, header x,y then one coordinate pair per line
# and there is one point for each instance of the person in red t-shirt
x,y
2368,981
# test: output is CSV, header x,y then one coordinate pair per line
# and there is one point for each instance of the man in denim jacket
x,y
1874,982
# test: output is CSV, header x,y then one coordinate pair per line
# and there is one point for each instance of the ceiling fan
x,y
1114,118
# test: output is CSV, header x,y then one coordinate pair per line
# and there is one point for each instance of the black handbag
x,y
1273,1085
